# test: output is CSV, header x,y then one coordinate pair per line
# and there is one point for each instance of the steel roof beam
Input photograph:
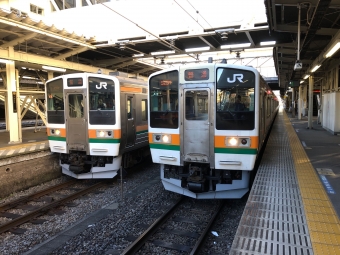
x,y
71,53
18,40
41,60
124,64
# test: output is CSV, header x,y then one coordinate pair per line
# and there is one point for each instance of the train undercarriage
x,y
199,177
199,181
78,163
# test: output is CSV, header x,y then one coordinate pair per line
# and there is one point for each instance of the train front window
x,y
196,105
76,106
101,101
235,99
55,102
163,89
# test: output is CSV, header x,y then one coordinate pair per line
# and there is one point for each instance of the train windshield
x,y
163,89
55,102
235,99
101,101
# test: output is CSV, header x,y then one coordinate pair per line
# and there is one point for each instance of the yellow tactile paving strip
x,y
322,220
20,149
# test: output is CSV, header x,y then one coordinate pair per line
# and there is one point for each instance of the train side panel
x,y
207,125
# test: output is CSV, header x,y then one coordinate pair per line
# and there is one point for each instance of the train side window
x,y
164,96
144,111
55,101
129,108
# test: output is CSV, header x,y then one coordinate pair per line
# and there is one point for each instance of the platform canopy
x,y
141,37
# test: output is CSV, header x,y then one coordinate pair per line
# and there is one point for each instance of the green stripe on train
x,y
96,140
142,132
236,150
56,138
91,140
164,147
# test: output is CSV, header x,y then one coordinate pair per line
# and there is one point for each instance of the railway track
x,y
44,201
199,220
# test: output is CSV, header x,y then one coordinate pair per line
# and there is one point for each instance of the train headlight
x,y
165,138
55,132
233,141
237,141
161,138
104,133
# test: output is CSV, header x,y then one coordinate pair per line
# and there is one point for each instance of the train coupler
x,y
196,187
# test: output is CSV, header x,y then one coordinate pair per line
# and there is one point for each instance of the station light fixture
x,y
5,61
315,68
52,68
197,49
306,76
162,52
235,46
267,43
138,55
334,48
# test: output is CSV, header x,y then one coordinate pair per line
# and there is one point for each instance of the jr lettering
x,y
239,77
101,85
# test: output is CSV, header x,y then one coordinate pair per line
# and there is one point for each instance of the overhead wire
x,y
189,13
145,30
194,18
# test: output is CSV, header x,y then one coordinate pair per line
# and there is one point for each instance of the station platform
x,y
294,204
32,141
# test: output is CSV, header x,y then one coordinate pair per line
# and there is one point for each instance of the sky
x,y
130,18
119,19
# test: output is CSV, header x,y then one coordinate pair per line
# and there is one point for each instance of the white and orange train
x,y
97,123
207,124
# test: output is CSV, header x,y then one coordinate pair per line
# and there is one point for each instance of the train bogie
x,y
207,126
97,123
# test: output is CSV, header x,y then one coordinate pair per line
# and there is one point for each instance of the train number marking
x,y
239,77
101,85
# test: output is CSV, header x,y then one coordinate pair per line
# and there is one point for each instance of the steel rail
x,y
36,195
200,241
25,218
138,243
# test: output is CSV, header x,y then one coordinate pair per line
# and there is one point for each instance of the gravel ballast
x,y
104,222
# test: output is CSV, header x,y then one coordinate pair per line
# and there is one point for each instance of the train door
x,y
76,125
196,124
130,121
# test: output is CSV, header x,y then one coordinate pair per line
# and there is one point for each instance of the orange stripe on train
x,y
220,141
174,139
62,131
93,133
